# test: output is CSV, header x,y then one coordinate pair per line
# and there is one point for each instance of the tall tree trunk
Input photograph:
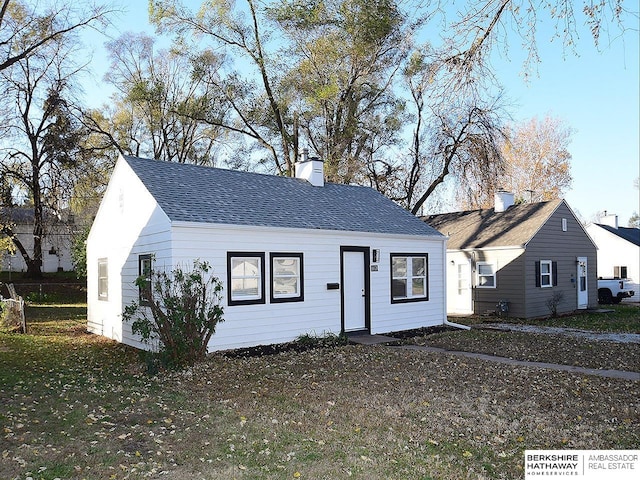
x,y
34,264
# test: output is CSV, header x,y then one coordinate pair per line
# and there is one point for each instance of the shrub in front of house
x,y
177,313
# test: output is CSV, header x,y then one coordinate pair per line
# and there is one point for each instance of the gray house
x,y
525,260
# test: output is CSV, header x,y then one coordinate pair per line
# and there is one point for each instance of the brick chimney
x,y
310,169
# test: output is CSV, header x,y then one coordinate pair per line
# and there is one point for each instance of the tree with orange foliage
x,y
537,164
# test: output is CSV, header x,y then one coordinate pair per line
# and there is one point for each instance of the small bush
x,y
554,302
178,315
309,341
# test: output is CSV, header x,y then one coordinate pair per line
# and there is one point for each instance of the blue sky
x,y
596,92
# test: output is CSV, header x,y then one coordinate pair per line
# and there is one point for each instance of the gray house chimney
x,y
310,169
502,200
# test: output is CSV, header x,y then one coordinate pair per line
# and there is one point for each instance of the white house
x,y
618,251
56,240
295,255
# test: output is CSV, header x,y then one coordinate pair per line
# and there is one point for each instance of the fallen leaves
x,y
324,413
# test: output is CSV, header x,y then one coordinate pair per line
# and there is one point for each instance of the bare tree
x,y
161,97
482,26
25,29
40,149
252,93
344,58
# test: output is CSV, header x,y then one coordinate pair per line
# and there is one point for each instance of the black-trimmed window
x,y
409,277
546,274
145,268
287,277
245,278
103,279
486,275
620,272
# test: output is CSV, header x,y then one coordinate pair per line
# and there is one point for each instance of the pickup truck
x,y
612,290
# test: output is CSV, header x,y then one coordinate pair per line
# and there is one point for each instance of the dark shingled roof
x,y
629,234
212,195
488,228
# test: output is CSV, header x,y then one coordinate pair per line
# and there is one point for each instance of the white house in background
x,y
295,255
56,241
618,251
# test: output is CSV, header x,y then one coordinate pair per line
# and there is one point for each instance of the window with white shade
x,y
287,284
245,278
103,279
620,272
486,275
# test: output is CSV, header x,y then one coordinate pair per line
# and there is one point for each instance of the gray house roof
x,y
629,234
212,195
487,228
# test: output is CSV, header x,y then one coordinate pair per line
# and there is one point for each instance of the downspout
x,y
456,325
446,321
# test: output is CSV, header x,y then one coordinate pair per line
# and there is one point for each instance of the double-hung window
x,y
103,279
287,283
546,273
546,268
409,278
245,278
486,275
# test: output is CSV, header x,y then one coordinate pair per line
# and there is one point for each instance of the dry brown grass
x,y
77,406
538,347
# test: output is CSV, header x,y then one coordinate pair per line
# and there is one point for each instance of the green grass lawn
x,y
77,406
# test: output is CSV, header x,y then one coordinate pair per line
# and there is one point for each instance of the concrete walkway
x,y
620,374
573,332
366,339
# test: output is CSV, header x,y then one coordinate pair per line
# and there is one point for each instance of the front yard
x,y
78,406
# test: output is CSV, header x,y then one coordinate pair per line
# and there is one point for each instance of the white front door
x,y
354,293
583,290
460,293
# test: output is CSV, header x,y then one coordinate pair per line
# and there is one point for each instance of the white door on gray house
x,y
583,290
354,297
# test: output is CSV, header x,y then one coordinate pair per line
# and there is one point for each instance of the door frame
x,y
367,284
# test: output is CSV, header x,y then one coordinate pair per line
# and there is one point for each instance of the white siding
x,y
615,251
320,312
57,237
128,222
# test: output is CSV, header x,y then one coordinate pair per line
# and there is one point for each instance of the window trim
x,y
619,270
493,275
553,273
142,299
273,296
412,298
546,274
104,296
261,281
